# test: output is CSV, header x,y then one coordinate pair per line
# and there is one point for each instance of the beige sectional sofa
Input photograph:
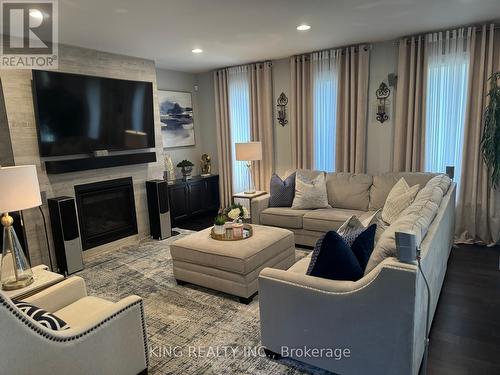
x,y
380,318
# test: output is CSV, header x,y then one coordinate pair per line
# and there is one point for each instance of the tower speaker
x,y
158,208
406,247
66,234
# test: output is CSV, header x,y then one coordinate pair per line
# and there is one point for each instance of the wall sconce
x,y
382,93
282,102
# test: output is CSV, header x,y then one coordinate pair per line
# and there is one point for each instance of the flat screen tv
x,y
79,114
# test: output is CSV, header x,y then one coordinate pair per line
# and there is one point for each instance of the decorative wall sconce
x,y
282,102
382,93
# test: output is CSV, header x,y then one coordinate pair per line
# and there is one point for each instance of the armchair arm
x,y
59,295
257,205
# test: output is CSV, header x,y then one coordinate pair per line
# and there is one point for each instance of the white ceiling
x,y
233,32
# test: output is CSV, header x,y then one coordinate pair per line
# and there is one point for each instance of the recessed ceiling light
x,y
303,27
197,50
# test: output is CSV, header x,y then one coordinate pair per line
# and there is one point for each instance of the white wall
x,y
203,112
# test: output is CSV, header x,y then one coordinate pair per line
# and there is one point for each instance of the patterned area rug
x,y
191,330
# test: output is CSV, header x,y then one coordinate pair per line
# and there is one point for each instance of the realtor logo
x,y
29,34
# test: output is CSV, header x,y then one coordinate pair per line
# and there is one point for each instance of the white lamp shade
x,y
19,189
249,151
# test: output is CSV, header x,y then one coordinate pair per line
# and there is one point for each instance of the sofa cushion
x,y
382,185
45,318
301,266
349,190
400,197
327,219
333,259
416,219
442,181
282,191
354,223
310,193
81,312
284,217
362,244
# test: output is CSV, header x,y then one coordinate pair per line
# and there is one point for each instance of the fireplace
x,y
106,211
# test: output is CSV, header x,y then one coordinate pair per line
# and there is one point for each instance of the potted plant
x,y
186,168
219,222
490,142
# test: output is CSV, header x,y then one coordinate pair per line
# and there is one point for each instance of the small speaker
x,y
158,209
450,171
65,234
392,79
406,247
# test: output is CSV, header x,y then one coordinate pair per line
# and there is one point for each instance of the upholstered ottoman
x,y
232,266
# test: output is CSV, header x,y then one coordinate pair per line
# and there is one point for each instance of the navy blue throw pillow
x,y
333,259
282,192
362,246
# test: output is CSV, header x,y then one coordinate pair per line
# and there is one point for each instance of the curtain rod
x,y
241,65
421,36
366,47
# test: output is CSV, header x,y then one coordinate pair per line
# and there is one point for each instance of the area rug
x,y
191,330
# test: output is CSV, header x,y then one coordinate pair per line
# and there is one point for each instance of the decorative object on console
x,y
490,142
249,152
400,197
282,103
20,191
282,191
43,317
382,93
169,173
310,193
206,165
186,168
176,116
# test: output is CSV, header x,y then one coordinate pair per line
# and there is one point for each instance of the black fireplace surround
x,y
106,211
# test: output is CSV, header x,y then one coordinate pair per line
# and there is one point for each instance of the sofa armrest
x,y
59,295
258,205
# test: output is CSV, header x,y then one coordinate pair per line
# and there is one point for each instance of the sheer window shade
x,y
239,118
324,82
447,76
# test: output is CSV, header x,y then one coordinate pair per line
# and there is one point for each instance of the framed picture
x,y
176,116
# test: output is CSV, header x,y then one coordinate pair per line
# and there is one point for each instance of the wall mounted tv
x,y
79,114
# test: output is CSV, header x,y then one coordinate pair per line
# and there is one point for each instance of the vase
x,y
186,172
219,229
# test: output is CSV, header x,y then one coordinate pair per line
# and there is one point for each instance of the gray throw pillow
x,y
282,191
310,193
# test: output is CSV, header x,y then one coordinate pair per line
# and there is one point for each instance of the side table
x,y
245,199
43,279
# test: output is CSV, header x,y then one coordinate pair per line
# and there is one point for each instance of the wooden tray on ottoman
x,y
247,233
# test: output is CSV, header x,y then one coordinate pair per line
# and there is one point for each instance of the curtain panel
x,y
223,136
301,120
261,121
351,69
478,208
409,124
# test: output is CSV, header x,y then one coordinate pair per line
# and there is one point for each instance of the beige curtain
x,y
478,209
352,107
409,127
261,120
301,121
223,137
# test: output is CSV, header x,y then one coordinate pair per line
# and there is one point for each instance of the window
x,y
447,75
324,84
239,120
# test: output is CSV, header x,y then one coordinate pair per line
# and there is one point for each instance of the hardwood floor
x,y
465,335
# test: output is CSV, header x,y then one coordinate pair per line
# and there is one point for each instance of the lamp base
x,y
250,192
13,284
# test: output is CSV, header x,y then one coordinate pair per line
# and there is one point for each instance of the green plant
x,y
220,220
185,163
490,141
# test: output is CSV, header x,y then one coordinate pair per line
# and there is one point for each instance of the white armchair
x,y
103,338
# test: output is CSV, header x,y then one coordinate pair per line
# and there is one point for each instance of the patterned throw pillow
x,y
43,317
282,191
354,223
310,193
400,197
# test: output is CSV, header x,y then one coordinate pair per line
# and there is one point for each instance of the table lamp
x,y
249,152
19,191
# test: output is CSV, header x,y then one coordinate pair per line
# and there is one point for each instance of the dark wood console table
x,y
193,198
